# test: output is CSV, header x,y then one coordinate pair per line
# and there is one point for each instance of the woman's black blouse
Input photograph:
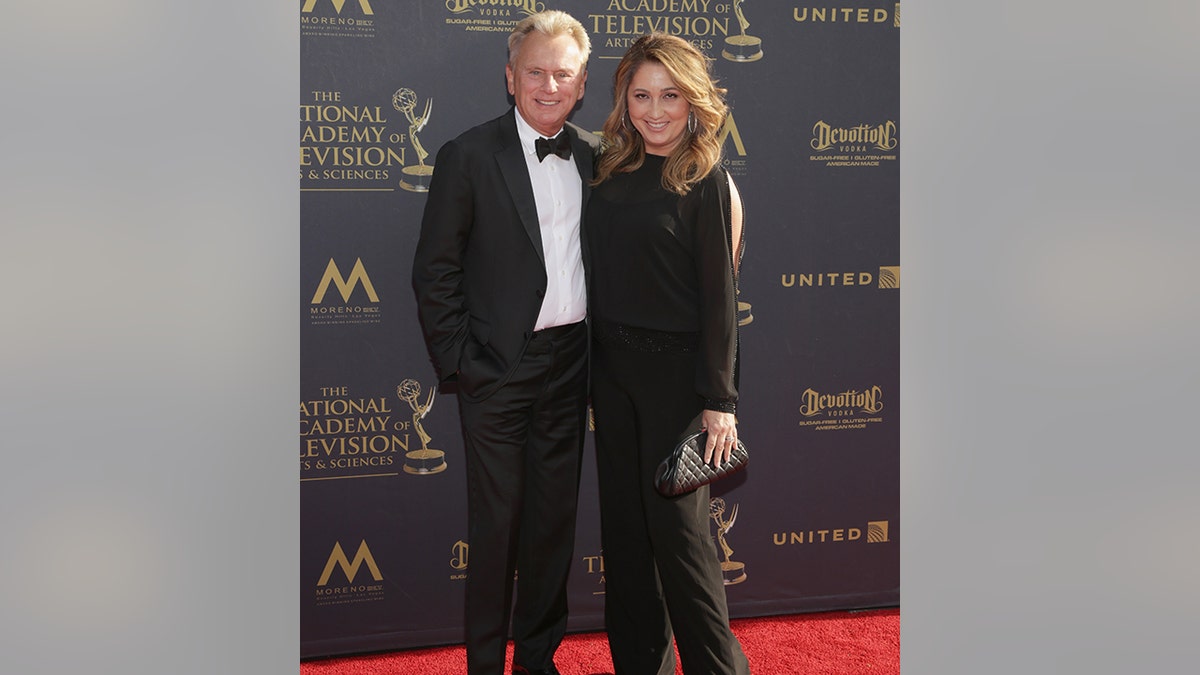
x,y
662,266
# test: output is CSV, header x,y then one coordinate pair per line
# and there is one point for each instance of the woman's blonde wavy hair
x,y
699,151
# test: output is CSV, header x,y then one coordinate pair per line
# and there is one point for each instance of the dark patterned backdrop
x,y
813,143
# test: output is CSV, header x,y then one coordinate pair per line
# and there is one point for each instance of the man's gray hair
x,y
550,23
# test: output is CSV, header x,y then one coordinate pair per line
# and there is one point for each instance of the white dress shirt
x,y
558,192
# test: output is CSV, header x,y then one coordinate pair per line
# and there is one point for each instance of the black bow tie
x,y
559,145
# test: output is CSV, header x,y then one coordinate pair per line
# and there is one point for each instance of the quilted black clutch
x,y
684,469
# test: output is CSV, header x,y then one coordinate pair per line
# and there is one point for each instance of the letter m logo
x,y
358,275
729,129
350,569
337,5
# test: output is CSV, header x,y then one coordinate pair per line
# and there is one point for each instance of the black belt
x,y
557,331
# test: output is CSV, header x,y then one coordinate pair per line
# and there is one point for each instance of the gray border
x,y
149,495
1049,325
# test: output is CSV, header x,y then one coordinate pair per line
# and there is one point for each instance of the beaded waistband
x,y
633,338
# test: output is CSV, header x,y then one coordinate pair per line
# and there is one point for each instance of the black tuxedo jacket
x,y
479,271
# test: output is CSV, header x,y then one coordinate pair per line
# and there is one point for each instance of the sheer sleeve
x,y
707,207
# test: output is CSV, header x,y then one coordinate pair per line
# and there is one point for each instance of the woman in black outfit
x,y
664,227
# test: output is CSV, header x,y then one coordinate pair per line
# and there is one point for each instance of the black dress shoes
x,y
522,670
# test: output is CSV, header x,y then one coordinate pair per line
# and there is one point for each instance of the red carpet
x,y
832,643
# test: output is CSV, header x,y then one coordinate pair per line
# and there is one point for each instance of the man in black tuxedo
x,y
499,274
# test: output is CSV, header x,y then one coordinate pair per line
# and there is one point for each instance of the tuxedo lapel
x,y
511,159
582,153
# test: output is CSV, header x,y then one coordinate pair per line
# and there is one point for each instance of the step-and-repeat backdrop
x,y
813,141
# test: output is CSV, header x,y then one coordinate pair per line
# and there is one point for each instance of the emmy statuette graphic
x,y
732,572
742,48
416,178
745,313
425,461
745,316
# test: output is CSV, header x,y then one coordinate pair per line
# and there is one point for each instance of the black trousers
x,y
523,449
662,575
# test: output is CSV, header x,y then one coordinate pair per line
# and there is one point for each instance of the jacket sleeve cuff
x,y
721,406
